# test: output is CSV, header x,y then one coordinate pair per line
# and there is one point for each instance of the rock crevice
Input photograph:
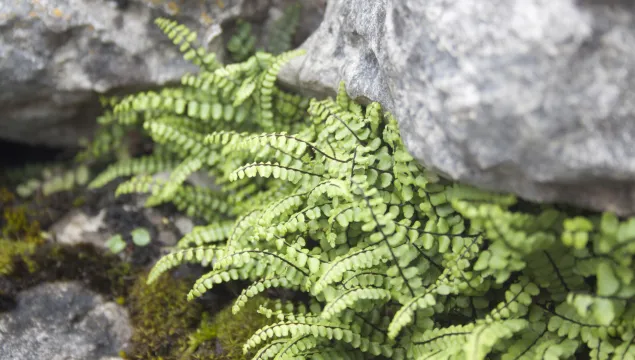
x,y
533,97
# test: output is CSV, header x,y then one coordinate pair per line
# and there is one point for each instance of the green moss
x,y
27,259
12,251
162,320
17,221
168,328
165,326
19,234
103,273
222,336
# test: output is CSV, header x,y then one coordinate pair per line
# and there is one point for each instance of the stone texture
x,y
535,97
63,321
56,55
105,215
78,227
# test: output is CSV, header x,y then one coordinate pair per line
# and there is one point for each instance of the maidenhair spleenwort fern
x,y
320,197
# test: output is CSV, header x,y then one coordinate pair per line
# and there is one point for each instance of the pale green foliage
x,y
184,38
281,32
140,236
55,179
279,37
116,244
397,262
243,43
113,140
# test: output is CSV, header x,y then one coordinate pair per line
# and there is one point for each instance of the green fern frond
x,y
260,286
485,336
144,165
321,199
204,235
184,38
350,297
243,43
198,255
282,30
209,280
177,177
446,342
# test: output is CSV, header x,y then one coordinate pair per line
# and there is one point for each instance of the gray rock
x,y
183,224
63,321
56,56
167,238
78,227
534,97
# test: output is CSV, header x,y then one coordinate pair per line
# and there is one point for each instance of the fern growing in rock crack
x,y
281,32
321,197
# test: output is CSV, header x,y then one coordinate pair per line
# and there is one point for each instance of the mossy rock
x,y
100,272
222,336
20,234
169,328
166,326
161,318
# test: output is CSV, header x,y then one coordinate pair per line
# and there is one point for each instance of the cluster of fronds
x,y
282,30
397,263
243,43
54,179
278,38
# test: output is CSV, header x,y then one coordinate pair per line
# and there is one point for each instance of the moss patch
x,y
166,326
161,318
12,250
100,272
222,336
19,234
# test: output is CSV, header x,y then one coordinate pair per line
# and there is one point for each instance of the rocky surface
x,y
105,216
80,227
56,56
63,321
534,97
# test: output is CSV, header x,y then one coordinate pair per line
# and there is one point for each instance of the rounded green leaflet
x,y
607,283
140,236
116,244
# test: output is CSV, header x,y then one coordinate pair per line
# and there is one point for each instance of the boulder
x,y
534,97
57,56
63,321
